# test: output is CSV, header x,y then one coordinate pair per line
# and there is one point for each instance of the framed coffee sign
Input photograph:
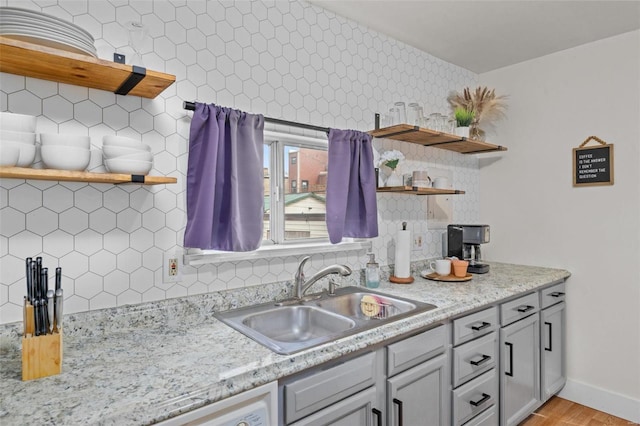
x,y
593,165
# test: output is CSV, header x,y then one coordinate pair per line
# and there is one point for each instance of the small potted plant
x,y
391,160
464,118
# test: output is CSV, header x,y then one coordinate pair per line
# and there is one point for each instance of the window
x,y
295,207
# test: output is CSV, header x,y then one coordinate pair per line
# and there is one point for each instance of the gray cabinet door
x,y
519,370
552,349
357,410
421,395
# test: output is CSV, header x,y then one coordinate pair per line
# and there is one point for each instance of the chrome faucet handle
x,y
332,287
300,271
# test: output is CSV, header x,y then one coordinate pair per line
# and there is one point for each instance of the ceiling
x,y
484,35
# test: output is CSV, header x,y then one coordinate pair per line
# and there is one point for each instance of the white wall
x,y
538,217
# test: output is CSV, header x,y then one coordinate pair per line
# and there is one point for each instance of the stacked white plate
x,y
126,155
45,30
65,152
17,139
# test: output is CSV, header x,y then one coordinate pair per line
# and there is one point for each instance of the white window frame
x,y
277,246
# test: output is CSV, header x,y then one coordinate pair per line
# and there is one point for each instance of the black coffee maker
x,y
463,242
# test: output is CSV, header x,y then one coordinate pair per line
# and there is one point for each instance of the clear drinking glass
x,y
402,112
137,36
434,121
414,114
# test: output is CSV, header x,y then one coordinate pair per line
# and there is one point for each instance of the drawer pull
x,y
378,415
525,308
484,359
557,294
482,326
550,348
399,404
510,372
485,398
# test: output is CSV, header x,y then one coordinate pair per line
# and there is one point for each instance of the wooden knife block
x,y
41,355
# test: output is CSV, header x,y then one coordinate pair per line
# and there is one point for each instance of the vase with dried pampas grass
x,y
485,105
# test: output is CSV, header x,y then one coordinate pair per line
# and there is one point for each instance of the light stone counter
x,y
145,363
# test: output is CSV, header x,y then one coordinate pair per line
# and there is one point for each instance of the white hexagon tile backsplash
x,y
290,60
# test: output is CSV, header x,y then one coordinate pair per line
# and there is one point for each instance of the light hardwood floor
x,y
561,412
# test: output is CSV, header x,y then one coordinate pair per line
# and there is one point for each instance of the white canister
x,y
421,179
441,183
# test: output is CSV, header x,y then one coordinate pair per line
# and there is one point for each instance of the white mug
x,y
441,183
441,266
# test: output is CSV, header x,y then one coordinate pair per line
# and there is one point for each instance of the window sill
x,y
198,257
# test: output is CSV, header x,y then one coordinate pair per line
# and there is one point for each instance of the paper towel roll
x,y
403,254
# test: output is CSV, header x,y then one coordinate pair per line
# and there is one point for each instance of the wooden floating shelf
x,y
32,60
419,191
428,137
70,176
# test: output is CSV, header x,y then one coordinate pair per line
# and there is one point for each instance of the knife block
x,y
41,355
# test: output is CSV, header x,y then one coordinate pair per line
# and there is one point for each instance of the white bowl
x,y
77,141
112,151
65,157
139,156
23,137
27,152
111,140
130,167
18,122
9,155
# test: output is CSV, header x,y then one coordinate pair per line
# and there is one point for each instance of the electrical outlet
x,y
172,268
418,241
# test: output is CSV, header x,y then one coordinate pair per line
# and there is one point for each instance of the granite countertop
x,y
146,363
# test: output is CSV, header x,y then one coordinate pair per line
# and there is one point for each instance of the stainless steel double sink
x,y
290,327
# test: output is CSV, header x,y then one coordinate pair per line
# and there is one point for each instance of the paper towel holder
x,y
398,280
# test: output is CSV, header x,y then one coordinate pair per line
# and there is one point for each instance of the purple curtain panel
x,y
352,209
225,193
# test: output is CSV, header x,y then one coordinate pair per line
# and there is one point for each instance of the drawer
x,y
519,308
552,295
414,350
474,358
475,397
486,418
326,387
475,325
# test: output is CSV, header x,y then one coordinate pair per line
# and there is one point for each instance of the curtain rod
x,y
191,106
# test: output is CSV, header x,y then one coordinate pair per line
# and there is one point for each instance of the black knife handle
x,y
29,277
38,282
44,282
45,317
58,278
36,316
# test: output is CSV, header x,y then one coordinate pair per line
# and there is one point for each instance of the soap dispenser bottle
x,y
372,272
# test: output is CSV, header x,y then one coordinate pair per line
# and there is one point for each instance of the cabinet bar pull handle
x,y
378,415
399,404
550,348
484,359
482,326
510,372
556,294
525,308
485,398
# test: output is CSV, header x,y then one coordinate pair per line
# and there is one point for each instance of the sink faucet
x,y
301,286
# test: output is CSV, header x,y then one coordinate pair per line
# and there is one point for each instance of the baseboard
x,y
602,400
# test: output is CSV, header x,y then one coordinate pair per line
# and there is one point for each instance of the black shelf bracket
x,y
136,76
